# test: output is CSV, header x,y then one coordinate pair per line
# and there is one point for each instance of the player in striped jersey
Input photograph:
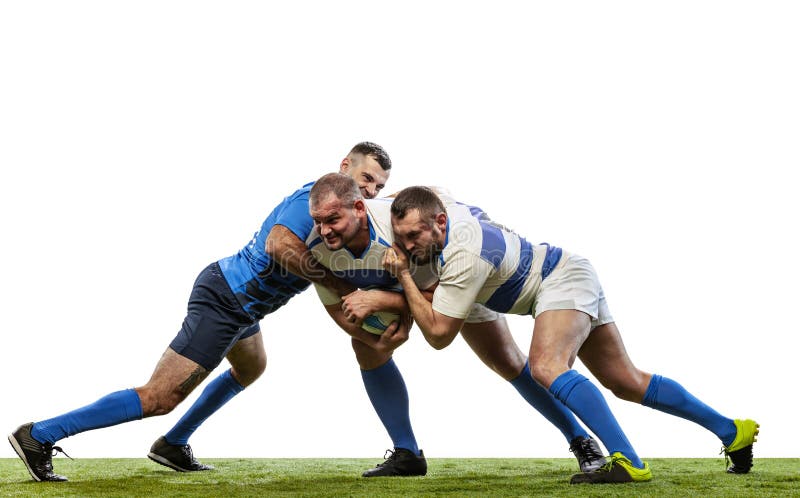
x,y
479,261
351,236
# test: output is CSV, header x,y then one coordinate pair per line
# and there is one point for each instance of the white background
x,y
140,141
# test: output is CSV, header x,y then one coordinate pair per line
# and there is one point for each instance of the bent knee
x,y
630,388
157,402
367,357
545,373
507,368
250,373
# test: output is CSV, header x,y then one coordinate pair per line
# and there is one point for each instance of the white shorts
x,y
573,285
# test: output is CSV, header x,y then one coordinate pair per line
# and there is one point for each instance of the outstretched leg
x,y
605,356
173,379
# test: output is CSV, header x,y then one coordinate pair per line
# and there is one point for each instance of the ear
x,y
345,165
359,206
441,221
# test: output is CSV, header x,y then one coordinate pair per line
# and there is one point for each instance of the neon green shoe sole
x,y
618,470
740,452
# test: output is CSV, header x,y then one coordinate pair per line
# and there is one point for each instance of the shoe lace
x,y
388,457
724,451
728,461
611,460
585,451
48,452
187,452
56,450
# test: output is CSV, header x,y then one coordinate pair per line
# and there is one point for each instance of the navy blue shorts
x,y
214,321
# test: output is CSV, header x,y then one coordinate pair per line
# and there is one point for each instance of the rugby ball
x,y
377,323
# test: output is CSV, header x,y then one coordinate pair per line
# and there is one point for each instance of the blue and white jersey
x,y
487,263
261,285
364,270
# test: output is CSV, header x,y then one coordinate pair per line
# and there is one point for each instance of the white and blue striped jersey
x,y
365,270
487,263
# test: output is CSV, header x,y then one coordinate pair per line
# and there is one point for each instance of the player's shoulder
x,y
380,218
464,238
379,211
302,192
462,224
379,205
297,197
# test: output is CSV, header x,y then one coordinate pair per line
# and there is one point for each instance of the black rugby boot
x,y
176,457
588,453
400,462
37,457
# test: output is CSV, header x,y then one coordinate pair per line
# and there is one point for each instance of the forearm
x,y
362,303
349,328
291,253
437,334
390,301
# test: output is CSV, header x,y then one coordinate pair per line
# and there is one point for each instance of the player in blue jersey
x,y
479,261
228,300
351,237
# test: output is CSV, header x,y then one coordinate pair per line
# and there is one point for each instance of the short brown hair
x,y
342,186
421,198
374,151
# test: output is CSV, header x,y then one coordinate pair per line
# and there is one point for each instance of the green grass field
x,y
446,477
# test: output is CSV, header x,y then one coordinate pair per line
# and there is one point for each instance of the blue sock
x,y
218,392
587,402
544,402
113,409
387,392
666,395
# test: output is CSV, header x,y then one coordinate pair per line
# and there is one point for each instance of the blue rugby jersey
x,y
487,263
259,283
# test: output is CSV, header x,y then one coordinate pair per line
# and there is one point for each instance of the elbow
x,y
440,341
438,345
